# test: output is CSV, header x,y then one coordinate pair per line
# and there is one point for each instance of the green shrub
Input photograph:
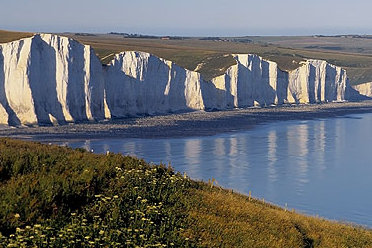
x,y
54,197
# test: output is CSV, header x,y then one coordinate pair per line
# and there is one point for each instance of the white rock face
x,y
255,80
140,83
252,80
3,115
364,89
47,79
317,81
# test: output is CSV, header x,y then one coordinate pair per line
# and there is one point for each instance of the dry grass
x,y
8,36
190,52
224,219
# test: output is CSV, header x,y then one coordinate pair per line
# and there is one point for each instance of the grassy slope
x,y
346,43
354,51
8,36
56,196
189,53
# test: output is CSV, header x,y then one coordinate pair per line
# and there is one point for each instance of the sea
x,y
320,167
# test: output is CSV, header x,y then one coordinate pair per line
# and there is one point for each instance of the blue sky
x,y
191,17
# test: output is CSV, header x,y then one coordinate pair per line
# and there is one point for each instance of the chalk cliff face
x,y
140,83
255,81
47,78
364,89
318,81
50,79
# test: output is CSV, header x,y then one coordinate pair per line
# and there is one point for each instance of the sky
x,y
189,18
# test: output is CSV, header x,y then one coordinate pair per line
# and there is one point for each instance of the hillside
x,y
212,57
211,54
58,197
8,36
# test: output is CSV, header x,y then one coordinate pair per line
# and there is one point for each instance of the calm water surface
x,y
319,167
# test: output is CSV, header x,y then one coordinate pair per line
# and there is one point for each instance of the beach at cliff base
x,y
188,124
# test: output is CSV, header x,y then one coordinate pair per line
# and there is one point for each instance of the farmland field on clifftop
x,y
210,53
211,56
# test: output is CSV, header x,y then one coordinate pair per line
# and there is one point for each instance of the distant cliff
x,y
51,79
364,89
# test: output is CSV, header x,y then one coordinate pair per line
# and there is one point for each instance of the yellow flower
x,y
17,216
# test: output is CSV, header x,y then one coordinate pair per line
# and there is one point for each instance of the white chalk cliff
x,y
141,83
47,78
51,79
364,89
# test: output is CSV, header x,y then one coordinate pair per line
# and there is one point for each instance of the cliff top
x,y
212,58
8,36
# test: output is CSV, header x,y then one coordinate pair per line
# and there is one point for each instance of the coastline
x,y
198,123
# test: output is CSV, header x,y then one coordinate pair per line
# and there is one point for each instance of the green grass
x,y
59,197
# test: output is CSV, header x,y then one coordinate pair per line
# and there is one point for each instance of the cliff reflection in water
x,y
318,166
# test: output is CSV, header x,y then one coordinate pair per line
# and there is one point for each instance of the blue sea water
x,y
318,167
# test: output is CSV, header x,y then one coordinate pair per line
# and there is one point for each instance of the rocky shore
x,y
199,123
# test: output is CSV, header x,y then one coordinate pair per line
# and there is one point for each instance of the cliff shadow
x,y
76,96
43,84
265,93
152,92
282,82
332,83
314,88
176,95
352,94
229,98
214,98
253,84
13,120
164,87
244,87
117,86
96,87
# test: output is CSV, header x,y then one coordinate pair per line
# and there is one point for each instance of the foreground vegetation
x,y
59,197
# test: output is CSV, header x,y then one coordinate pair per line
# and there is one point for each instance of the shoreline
x,y
189,124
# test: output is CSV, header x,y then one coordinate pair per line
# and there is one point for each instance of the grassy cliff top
x,y
8,36
212,55
54,196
